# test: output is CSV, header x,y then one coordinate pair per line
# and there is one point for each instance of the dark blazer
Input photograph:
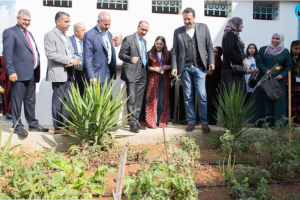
x,y
204,43
73,41
18,55
231,50
95,55
130,48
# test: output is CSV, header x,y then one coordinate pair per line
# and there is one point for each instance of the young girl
x,y
295,54
157,97
250,59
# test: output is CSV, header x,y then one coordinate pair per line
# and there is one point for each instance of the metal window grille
x,y
264,10
217,8
112,4
166,7
58,3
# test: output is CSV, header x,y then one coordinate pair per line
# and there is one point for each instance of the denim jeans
x,y
193,78
161,97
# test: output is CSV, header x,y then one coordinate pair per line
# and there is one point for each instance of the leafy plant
x,y
93,115
190,147
227,170
161,181
234,111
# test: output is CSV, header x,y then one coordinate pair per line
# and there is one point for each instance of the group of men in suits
x,y
92,55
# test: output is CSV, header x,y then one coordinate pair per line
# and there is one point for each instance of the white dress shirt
x,y
191,32
79,47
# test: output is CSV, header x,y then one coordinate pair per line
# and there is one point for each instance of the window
x,y
215,8
112,4
265,10
166,7
58,3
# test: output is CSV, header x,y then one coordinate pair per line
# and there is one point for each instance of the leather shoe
x,y
141,126
190,128
205,128
7,116
21,132
38,128
134,129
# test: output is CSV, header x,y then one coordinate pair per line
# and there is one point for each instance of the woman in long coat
x,y
269,56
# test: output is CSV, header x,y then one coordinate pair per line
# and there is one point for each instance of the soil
x,y
208,174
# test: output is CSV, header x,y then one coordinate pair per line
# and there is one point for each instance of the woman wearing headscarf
x,y
213,80
268,56
233,53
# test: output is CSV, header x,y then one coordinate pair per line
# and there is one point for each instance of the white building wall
x,y
84,11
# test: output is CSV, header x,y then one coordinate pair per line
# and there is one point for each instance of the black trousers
x,y
135,92
23,91
79,76
60,91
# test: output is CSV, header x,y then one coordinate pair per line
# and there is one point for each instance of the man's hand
x,y
174,71
211,67
134,60
210,72
244,65
13,77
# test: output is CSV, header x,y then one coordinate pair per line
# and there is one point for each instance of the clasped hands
x,y
76,62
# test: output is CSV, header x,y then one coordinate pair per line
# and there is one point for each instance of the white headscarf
x,y
275,51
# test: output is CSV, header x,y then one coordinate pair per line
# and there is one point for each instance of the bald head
x,y
79,30
104,21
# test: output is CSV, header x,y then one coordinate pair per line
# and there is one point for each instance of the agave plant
x,y
93,115
234,111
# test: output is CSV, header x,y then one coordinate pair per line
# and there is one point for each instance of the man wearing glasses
x,y
133,52
22,61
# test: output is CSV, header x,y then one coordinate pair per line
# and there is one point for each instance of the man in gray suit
x,y
133,52
191,44
61,63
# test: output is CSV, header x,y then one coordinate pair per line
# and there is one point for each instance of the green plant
x,y
234,111
190,147
93,115
161,181
250,183
227,170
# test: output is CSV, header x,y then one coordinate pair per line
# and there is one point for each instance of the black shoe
x,y
134,129
7,116
21,132
38,128
141,126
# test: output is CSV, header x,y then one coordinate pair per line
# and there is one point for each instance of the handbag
x,y
252,80
237,69
272,89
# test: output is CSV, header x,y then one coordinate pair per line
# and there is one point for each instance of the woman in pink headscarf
x,y
268,56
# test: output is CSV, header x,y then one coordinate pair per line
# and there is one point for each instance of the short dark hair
x,y
60,14
189,10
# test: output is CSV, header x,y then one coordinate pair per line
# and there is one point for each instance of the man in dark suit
x,y
134,72
77,43
22,61
191,45
99,53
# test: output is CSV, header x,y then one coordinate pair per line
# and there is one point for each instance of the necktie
x,y
81,46
143,53
30,45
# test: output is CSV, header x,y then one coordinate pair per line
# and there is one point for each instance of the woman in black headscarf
x,y
213,80
233,53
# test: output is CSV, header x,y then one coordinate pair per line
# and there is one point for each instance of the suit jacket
x,y
130,48
18,55
180,47
80,55
95,56
57,55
